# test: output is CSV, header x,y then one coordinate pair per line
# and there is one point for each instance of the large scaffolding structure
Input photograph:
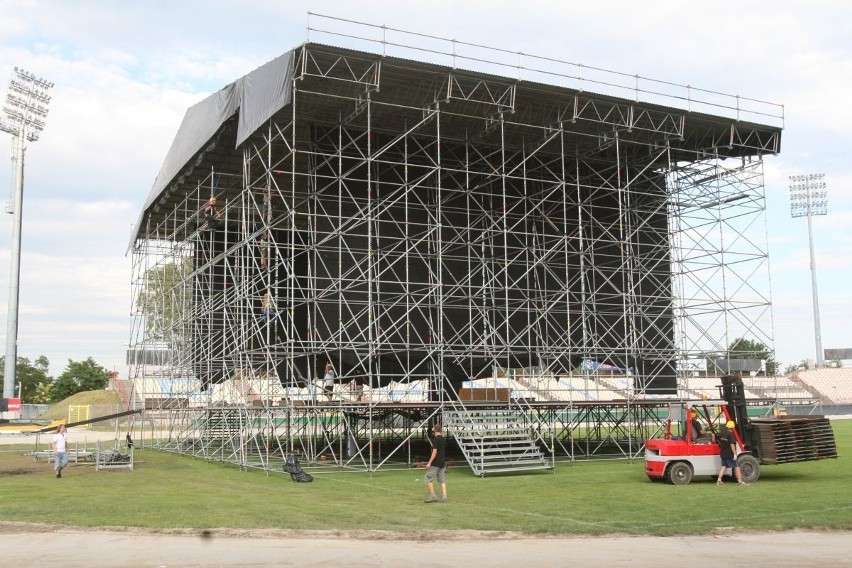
x,y
433,233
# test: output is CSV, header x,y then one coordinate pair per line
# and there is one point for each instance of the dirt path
x,y
33,545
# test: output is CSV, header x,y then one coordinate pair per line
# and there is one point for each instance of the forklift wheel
x,y
680,473
750,467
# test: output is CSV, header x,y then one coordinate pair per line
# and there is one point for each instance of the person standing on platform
x,y
357,390
436,468
60,450
328,381
312,391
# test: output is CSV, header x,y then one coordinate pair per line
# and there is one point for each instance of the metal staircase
x,y
224,422
495,441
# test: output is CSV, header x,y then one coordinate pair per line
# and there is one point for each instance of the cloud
x,y
74,283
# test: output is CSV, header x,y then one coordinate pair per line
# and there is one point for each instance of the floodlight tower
x,y
808,197
24,112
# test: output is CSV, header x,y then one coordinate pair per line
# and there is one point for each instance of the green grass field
x,y
590,498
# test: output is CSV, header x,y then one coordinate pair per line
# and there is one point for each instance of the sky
x,y
125,73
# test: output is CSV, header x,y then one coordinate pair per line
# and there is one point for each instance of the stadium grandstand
x,y
833,386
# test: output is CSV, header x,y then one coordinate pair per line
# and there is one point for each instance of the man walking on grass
x,y
60,454
437,466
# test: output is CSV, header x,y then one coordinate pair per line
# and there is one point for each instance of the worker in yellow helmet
x,y
728,452
697,431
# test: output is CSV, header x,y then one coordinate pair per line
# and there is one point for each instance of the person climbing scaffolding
x,y
212,214
267,308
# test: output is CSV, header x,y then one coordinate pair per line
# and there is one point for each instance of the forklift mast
x,y
733,392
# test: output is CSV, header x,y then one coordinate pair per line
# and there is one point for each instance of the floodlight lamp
x,y
15,101
15,115
29,91
808,195
26,104
37,110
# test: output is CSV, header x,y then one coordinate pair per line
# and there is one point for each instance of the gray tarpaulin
x,y
256,97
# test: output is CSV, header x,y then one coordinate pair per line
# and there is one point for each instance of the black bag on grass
x,y
291,466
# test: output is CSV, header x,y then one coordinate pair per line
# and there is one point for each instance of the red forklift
x,y
759,441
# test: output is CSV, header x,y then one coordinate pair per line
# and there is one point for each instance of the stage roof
x,y
212,131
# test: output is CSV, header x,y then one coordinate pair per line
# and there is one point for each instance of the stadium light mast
x,y
809,197
23,117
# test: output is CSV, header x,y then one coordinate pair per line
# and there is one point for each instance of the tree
x,y
32,378
79,376
743,348
42,394
165,300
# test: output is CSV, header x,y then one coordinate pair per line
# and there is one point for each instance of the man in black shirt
x,y
437,466
728,452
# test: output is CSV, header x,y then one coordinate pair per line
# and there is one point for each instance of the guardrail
x,y
522,66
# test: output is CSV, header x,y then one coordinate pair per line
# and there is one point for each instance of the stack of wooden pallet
x,y
787,439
